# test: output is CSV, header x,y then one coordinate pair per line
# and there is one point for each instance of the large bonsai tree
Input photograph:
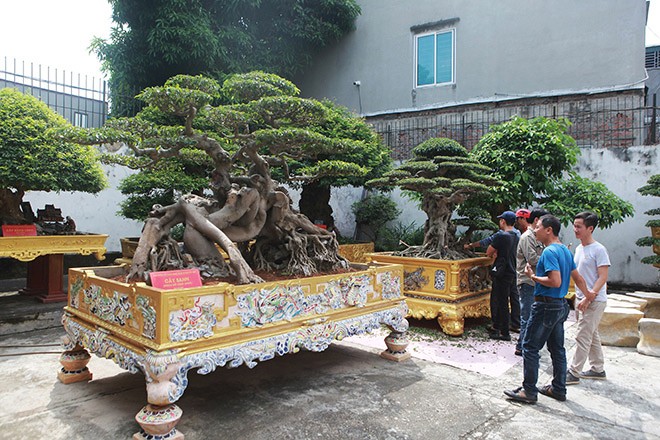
x,y
444,176
534,159
152,41
32,158
652,188
248,142
189,172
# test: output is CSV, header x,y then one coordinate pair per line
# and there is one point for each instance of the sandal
x,y
519,395
547,391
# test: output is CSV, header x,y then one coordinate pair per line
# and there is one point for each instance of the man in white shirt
x,y
593,264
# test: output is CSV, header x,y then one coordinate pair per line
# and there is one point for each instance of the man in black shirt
x,y
503,274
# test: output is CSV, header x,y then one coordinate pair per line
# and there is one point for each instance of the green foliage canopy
x,y
304,140
534,159
152,41
33,158
652,188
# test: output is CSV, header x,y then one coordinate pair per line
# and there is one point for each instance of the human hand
x,y
583,305
467,246
591,295
528,270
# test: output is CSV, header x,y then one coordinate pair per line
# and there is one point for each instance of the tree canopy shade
x,y
534,159
247,131
152,41
34,158
444,175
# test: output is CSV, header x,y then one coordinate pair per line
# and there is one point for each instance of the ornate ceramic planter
x,y
449,290
356,252
166,333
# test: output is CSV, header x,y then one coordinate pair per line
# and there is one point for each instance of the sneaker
x,y
571,379
591,374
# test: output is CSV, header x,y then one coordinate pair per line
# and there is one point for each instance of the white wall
x,y
93,213
622,170
504,49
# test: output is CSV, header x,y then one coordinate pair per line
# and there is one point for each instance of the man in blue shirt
x,y
554,270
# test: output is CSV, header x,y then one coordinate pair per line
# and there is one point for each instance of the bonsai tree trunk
x,y
10,206
315,204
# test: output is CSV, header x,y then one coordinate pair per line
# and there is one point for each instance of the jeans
x,y
545,325
526,293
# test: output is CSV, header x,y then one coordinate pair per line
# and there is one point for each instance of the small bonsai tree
x,y
35,159
534,159
652,188
443,175
249,140
372,214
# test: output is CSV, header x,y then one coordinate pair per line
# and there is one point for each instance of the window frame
x,y
435,34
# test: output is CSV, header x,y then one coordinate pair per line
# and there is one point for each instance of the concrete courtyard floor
x,y
450,389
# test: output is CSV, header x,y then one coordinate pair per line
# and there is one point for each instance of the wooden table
x,y
45,257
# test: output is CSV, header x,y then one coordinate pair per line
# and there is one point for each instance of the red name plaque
x,y
19,230
176,279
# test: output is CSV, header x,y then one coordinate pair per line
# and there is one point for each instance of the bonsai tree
x,y
652,188
372,214
534,159
35,159
190,171
443,175
248,141
373,155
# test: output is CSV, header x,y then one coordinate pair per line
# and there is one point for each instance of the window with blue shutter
x,y
435,58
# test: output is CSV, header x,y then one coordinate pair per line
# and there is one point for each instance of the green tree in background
x,y
33,158
534,160
152,41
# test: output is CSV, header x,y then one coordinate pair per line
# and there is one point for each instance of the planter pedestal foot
x,y
451,323
74,366
396,347
159,422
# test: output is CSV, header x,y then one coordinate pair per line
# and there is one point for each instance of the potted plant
x,y
652,188
281,285
34,158
441,280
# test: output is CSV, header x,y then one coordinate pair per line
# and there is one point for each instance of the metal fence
x,y
619,120
81,99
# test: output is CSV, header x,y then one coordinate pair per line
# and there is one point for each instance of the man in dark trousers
x,y
554,270
503,274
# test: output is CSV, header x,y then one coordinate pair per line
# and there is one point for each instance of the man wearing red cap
x,y
528,252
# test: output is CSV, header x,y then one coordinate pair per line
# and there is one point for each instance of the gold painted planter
x,y
166,333
449,290
356,252
29,248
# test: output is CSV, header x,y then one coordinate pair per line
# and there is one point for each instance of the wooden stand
x,y
44,278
